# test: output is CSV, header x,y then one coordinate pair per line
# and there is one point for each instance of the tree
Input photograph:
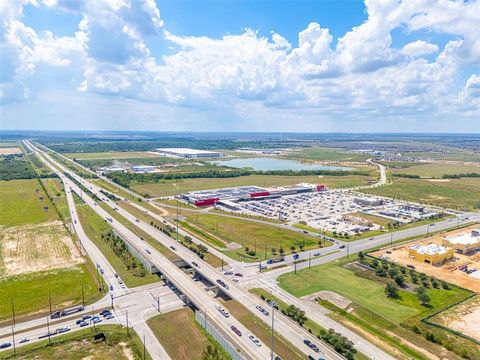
x,y
392,272
399,280
424,298
211,353
381,272
391,291
361,256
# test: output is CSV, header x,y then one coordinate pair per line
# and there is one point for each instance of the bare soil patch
x,y
464,318
40,247
10,151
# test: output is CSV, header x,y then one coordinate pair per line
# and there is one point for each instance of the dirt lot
x,y
32,248
448,271
10,151
463,318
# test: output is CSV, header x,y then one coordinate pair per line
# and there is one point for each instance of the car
x,y
111,287
173,248
305,231
235,280
97,320
148,251
101,271
194,263
342,246
83,323
307,342
24,340
109,317
278,357
235,330
86,317
5,345
228,273
136,220
79,321
104,311
116,275
239,274
63,329
316,254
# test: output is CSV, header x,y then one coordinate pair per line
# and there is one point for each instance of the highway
x,y
267,280
284,325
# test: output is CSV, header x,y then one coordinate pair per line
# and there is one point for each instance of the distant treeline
x,y
459,176
90,145
408,176
125,179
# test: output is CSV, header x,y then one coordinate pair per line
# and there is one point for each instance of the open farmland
x,y
112,155
435,170
38,247
451,193
10,150
38,255
21,203
178,186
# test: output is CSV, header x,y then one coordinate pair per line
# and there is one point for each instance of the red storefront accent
x,y
206,202
321,187
262,193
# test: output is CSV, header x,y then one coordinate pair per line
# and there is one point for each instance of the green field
x,y
30,291
325,154
21,204
435,170
112,155
94,226
180,334
248,234
174,187
454,193
79,345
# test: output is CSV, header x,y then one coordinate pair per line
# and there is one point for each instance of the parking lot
x,y
333,211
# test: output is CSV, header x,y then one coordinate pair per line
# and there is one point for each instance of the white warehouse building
x,y
189,153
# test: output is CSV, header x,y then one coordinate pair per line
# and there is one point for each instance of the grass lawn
x,y
455,193
178,186
436,170
20,203
180,334
112,155
247,233
30,291
94,226
325,154
55,190
79,345
262,331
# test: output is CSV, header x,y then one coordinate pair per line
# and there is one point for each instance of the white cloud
x,y
419,48
358,75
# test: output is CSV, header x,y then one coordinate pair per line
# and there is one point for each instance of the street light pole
x,y
13,312
48,329
13,340
273,323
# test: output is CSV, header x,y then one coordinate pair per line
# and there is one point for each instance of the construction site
x,y
452,256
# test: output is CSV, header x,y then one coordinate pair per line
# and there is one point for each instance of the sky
x,y
288,66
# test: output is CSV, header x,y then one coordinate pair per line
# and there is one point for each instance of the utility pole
x,y
143,346
309,260
50,302
222,264
83,294
177,221
126,314
48,329
391,239
295,264
348,249
273,323
158,303
265,251
13,340
13,312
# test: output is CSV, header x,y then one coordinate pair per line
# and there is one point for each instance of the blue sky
x,y
313,66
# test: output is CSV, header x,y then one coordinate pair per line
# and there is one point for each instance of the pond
x,y
267,163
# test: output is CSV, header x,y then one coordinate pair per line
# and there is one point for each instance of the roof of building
x,y
430,249
465,239
224,193
184,151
